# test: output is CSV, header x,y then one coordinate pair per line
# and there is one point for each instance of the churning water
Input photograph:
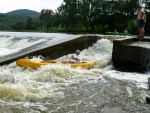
x,y
61,89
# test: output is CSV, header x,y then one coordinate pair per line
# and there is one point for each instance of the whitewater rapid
x,y
61,89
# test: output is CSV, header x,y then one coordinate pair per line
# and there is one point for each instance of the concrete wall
x,y
131,58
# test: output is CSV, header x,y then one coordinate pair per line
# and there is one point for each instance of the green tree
x,y
147,10
69,14
19,25
29,24
46,18
36,24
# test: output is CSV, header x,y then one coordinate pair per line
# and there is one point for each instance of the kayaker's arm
x,y
75,58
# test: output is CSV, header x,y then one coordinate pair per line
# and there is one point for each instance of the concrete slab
x,y
130,56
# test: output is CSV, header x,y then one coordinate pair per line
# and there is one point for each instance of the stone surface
x,y
129,56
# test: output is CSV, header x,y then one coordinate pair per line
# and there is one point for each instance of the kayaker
x,y
77,57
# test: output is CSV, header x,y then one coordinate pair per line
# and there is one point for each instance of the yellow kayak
x,y
38,64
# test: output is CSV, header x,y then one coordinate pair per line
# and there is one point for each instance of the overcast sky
x,y
36,5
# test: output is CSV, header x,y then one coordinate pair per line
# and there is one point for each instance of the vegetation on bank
x,y
80,16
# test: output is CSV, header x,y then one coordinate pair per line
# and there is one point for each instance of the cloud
x,y
37,5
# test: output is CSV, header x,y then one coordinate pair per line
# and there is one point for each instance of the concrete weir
x,y
131,54
53,49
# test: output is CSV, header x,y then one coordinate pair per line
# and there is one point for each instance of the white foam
x,y
137,78
9,45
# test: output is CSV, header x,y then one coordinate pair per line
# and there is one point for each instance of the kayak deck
x,y
37,64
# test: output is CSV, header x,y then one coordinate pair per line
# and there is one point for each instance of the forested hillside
x,y
15,20
6,21
87,16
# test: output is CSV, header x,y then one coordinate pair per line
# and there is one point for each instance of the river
x,y
61,89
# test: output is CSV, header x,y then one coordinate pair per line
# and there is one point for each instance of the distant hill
x,y
23,13
10,18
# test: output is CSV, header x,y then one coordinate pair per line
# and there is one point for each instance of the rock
x,y
149,83
148,100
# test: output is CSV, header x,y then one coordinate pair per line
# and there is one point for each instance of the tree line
x,y
88,16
